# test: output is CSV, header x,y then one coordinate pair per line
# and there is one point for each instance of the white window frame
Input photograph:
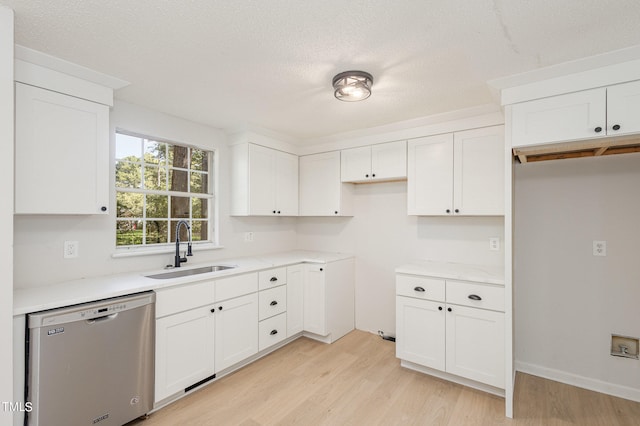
x,y
169,247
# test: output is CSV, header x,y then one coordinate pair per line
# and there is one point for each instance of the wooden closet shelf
x,y
577,149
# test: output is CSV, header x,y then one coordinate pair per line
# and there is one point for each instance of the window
x,y
159,183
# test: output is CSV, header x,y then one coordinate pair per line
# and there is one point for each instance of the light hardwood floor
x,y
358,381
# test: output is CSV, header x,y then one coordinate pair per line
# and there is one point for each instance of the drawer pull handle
x,y
474,297
273,332
274,303
273,279
420,289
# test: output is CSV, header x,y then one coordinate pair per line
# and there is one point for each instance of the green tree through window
x,y
157,184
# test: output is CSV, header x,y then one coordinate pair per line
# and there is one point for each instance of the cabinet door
x,y
389,160
478,166
420,332
574,116
61,153
315,318
355,164
430,175
295,299
286,202
236,330
320,184
184,350
475,344
623,104
262,180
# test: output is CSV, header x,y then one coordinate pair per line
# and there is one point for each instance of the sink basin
x,y
177,273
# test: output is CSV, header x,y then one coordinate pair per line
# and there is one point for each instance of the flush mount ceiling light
x,y
351,86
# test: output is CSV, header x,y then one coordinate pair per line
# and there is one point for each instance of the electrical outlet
x,y
70,249
494,243
248,237
599,248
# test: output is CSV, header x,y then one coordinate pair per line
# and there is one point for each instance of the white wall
x,y
568,302
39,239
6,211
382,237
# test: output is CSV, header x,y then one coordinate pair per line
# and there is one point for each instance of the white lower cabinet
x,y
475,344
452,326
185,326
207,327
420,332
236,334
295,299
329,299
185,350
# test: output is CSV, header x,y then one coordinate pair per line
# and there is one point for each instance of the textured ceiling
x,y
268,64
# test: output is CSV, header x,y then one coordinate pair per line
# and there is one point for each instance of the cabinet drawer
x,y
272,278
272,331
420,287
272,302
178,299
476,295
228,288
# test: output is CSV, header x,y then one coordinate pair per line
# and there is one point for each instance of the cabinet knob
x,y
335,212
366,176
103,208
219,308
278,211
273,279
273,332
274,212
273,303
448,211
474,297
449,309
457,210
373,175
321,269
598,129
616,127
213,310
439,308
420,289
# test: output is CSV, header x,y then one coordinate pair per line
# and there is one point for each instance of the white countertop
x,y
455,271
89,289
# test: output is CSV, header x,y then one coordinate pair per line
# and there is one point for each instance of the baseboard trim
x,y
596,385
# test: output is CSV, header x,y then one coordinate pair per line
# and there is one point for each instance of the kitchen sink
x,y
187,272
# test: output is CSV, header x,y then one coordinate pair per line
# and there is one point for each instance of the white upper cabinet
x,y
430,175
478,172
588,114
457,174
61,153
623,104
265,182
387,161
321,191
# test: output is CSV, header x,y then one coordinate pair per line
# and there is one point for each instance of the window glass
x,y
157,184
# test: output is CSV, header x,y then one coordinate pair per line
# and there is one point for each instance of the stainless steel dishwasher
x,y
92,364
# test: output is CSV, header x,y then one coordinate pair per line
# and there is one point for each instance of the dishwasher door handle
x,y
102,319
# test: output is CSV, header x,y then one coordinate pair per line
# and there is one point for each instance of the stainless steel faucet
x,y
178,259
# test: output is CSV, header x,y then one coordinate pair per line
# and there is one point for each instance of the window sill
x,y
150,251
